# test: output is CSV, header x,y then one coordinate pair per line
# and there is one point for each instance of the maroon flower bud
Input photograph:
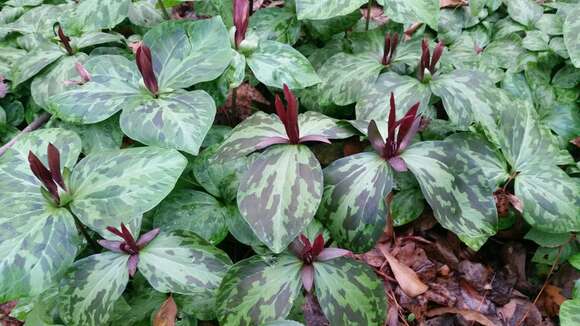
x,y
391,43
145,65
51,177
428,62
289,115
63,39
241,20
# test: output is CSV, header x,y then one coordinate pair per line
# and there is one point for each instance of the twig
x,y
543,286
37,123
163,10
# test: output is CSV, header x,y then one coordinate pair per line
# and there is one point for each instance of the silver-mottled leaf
x,y
406,12
572,35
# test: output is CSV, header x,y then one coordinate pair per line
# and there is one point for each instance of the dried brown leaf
x,y
166,314
470,315
405,276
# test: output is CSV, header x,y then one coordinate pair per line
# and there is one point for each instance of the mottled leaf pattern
x,y
182,262
405,12
94,15
570,312
280,193
456,189
349,292
276,24
95,38
33,62
188,52
551,199
91,288
193,211
314,123
245,137
178,120
353,206
525,12
258,290
571,31
53,81
275,64
122,183
324,9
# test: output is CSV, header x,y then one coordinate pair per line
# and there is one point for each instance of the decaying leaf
x,y
407,278
166,314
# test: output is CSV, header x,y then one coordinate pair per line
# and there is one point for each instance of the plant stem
x,y
37,123
163,10
81,228
368,18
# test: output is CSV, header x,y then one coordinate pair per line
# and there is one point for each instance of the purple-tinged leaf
x,y
314,138
147,237
272,141
307,276
114,246
145,65
331,253
296,247
43,174
398,164
241,20
132,264
377,141
54,165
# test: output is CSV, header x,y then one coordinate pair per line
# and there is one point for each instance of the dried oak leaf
x,y
166,314
406,277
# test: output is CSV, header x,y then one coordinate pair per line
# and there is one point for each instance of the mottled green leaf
x,y
193,211
407,205
468,96
353,206
505,53
546,239
276,24
536,41
280,193
345,77
525,12
564,119
550,24
143,13
188,52
53,81
572,35
570,313
374,105
324,9
551,199
97,137
349,292
91,288
33,62
283,323
124,183
9,55
114,86
177,120
95,38
95,15
456,189
182,262
258,290
245,137
314,123
275,64
406,12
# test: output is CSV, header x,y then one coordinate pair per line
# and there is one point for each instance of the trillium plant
x,y
287,163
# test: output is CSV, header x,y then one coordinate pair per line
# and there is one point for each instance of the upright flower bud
x,y
241,20
145,65
63,39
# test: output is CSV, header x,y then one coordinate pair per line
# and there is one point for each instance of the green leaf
x,y
283,323
349,292
121,184
407,90
574,260
33,62
353,206
91,288
276,24
525,12
536,41
468,96
245,137
193,211
95,15
143,13
551,199
258,290
314,123
114,86
570,313
456,189
182,262
546,239
276,64
38,244
53,81
177,120
572,35
345,77
280,193
407,206
405,12
189,52
550,24
324,9
95,38
101,136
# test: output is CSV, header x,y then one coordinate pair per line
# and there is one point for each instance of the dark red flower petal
x,y
54,165
145,65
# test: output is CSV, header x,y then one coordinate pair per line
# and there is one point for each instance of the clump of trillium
x,y
309,253
128,246
51,177
399,135
427,62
